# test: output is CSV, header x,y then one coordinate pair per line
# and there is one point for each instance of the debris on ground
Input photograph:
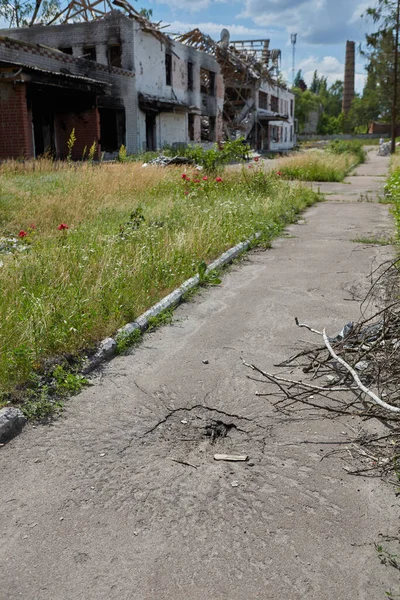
x,y
356,372
384,149
165,161
231,457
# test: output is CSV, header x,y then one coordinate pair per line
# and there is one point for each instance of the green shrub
x,y
348,147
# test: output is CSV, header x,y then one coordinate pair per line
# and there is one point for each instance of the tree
x,y
22,13
384,49
318,84
306,103
297,79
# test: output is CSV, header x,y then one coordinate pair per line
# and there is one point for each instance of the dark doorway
x,y
43,127
112,129
151,141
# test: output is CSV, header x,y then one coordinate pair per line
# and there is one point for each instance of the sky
x,y
322,28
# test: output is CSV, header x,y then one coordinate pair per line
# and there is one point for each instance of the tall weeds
x,y
94,246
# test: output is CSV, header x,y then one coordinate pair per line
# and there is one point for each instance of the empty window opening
x,y
207,129
263,100
66,50
168,68
190,77
291,108
274,103
207,82
115,56
191,127
89,52
112,129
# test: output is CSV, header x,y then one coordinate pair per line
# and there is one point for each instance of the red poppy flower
x,y
219,179
32,226
256,159
250,166
205,178
186,193
22,234
279,173
196,180
184,176
62,226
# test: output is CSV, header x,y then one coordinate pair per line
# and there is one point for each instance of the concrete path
x,y
98,506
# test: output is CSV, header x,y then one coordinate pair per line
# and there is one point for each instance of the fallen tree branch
x,y
356,378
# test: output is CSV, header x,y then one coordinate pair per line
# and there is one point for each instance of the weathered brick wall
x,y
87,131
15,123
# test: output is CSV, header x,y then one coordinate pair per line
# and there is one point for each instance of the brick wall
x,y
87,131
15,123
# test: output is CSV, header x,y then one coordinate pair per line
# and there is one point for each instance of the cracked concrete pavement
x,y
120,498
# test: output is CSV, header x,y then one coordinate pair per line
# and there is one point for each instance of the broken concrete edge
x,y
12,421
107,348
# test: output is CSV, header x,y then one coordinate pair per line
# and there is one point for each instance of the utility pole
x,y
395,78
293,40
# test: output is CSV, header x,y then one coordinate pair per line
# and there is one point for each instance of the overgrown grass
x,y
210,159
348,147
132,236
392,190
318,165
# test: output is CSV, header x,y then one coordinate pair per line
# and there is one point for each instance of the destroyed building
x,y
133,84
256,105
118,79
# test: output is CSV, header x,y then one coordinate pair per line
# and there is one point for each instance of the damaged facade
x,y
119,80
142,89
256,105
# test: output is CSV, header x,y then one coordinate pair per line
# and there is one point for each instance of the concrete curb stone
x,y
12,421
107,348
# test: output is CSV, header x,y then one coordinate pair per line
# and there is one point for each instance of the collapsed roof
x,y
238,65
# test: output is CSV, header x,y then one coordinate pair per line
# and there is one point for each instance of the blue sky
x,y
322,28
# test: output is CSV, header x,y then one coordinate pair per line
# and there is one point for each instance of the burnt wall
x,y
15,124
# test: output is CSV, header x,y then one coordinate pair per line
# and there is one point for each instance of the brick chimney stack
x,y
349,76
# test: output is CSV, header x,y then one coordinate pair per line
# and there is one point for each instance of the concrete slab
x,y
121,498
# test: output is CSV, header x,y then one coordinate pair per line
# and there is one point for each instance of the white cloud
x,y
316,21
213,29
190,5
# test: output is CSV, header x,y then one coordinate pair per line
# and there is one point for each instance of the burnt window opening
x,y
168,68
191,127
66,50
207,82
89,52
263,100
190,77
207,129
115,55
112,129
274,103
